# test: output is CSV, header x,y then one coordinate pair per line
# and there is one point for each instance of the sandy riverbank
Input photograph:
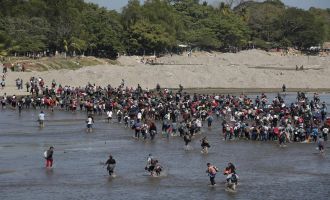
x,y
253,70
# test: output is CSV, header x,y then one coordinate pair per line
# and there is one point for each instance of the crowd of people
x,y
3,77
182,114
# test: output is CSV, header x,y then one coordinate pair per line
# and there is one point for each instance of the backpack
x,y
45,155
233,178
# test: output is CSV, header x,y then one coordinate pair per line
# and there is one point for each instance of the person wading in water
x,y
49,157
111,164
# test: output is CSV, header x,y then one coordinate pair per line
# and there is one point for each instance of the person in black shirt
x,y
205,145
49,157
111,163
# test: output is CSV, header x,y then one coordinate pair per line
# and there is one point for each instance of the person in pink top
x,y
212,171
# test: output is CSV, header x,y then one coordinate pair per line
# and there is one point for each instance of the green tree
x,y
151,37
30,34
302,28
232,31
263,20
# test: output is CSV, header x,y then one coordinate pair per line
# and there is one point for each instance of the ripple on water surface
x,y
266,171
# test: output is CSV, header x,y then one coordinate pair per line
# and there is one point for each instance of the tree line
x,y
156,26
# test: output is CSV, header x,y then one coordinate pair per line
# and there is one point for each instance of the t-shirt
x,y
50,154
42,116
111,161
150,160
109,113
89,120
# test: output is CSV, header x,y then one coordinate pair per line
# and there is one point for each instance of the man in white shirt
x,y
89,122
139,116
41,119
109,114
325,132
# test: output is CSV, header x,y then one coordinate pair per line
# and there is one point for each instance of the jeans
x,y
137,133
212,180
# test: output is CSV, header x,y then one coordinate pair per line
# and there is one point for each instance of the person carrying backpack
x,y
232,177
151,163
205,145
232,181
48,155
209,121
211,171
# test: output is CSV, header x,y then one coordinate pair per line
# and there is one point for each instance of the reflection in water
x,y
266,171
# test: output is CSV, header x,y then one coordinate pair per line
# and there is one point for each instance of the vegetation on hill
x,y
77,27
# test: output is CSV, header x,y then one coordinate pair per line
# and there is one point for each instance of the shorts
x,y
321,147
89,125
151,168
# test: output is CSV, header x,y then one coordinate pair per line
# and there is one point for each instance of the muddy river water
x,y
266,171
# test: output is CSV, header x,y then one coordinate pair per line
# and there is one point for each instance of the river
x,y
266,171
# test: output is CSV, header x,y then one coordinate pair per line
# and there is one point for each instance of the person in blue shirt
x,y
315,133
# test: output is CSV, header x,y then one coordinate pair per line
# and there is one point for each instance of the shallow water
x,y
265,170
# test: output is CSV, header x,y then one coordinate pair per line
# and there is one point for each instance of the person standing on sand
x,y
283,88
27,84
3,83
21,85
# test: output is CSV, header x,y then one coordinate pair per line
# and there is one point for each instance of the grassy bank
x,y
56,63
